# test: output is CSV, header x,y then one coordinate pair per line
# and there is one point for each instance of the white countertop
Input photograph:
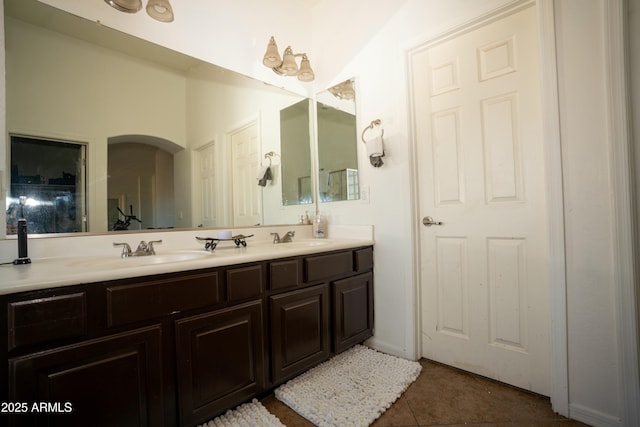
x,y
51,272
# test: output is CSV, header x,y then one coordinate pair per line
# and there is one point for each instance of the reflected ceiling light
x,y
343,90
159,10
128,6
286,65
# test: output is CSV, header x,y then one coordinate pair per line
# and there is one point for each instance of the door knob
x,y
428,221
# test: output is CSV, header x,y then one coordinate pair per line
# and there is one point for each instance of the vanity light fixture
x,y
160,10
287,66
343,90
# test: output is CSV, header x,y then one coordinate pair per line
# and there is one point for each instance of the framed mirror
x,y
337,143
165,134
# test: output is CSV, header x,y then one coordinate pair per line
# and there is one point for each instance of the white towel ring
x,y
373,124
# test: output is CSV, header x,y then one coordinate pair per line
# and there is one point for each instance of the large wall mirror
x,y
171,141
295,127
337,143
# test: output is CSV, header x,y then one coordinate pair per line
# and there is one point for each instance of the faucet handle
x,y
126,249
150,247
276,237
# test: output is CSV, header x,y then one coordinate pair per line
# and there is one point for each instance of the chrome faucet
x,y
126,249
287,238
143,249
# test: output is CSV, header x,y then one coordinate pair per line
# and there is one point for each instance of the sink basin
x,y
162,258
176,256
301,243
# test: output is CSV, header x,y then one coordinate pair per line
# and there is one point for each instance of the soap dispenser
x,y
23,258
320,226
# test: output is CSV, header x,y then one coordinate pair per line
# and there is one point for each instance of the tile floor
x,y
444,396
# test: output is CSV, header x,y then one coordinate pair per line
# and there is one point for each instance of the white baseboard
x,y
388,348
593,417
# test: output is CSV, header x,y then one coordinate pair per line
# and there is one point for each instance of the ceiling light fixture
x,y
286,65
160,10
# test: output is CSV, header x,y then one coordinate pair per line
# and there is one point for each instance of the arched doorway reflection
x,y
140,191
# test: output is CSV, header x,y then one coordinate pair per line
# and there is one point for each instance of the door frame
x,y
553,169
626,267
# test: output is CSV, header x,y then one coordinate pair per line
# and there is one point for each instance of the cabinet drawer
x,y
131,303
364,259
40,320
285,274
245,282
325,266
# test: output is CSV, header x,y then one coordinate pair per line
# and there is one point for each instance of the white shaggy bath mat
x,y
350,390
251,414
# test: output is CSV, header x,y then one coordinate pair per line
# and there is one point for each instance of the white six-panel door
x,y
247,194
484,270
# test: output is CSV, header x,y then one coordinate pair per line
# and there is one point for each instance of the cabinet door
x,y
111,381
353,311
220,360
299,331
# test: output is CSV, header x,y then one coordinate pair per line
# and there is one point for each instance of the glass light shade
x,y
160,10
348,93
128,6
343,90
271,57
306,73
289,65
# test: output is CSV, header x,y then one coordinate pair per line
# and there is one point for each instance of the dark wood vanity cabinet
x,y
328,309
299,331
179,348
352,312
220,360
115,380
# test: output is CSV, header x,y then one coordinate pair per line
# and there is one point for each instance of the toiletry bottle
x,y
306,219
320,226
23,257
